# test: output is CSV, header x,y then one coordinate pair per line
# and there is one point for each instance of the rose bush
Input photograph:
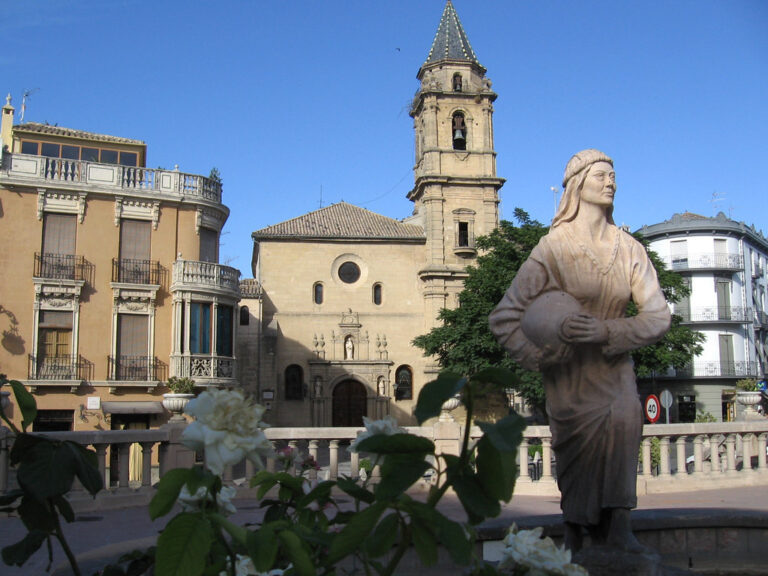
x,y
526,553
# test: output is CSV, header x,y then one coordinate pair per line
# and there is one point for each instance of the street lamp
x,y
554,193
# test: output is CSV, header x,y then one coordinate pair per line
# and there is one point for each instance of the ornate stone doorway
x,y
349,403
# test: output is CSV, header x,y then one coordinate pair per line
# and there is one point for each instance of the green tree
x,y
463,342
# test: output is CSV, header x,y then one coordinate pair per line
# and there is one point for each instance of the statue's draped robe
x,y
592,400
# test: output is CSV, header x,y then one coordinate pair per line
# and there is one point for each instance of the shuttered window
x,y
132,335
135,239
59,234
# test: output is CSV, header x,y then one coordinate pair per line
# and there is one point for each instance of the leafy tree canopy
x,y
463,343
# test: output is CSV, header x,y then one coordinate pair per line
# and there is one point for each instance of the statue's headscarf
x,y
575,173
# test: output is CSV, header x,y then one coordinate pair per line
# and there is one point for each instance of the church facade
x,y
338,294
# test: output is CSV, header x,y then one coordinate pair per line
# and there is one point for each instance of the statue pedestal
x,y
607,561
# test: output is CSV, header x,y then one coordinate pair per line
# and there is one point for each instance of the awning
x,y
132,407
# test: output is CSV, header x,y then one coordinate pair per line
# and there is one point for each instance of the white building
x,y
724,264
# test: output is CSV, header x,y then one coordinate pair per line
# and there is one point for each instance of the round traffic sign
x,y
666,398
652,408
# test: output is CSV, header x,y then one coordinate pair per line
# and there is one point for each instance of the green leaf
x,y
47,469
36,515
64,507
294,549
396,444
353,489
22,445
384,536
453,537
434,393
168,490
506,434
26,403
424,541
500,376
262,547
477,504
496,470
17,554
320,493
183,546
354,533
86,466
399,472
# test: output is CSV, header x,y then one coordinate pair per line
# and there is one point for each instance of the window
x,y
245,316
463,239
317,293
54,421
134,266
132,361
58,252
686,408
403,383
108,156
459,132
85,153
679,250
199,328
28,147
457,82
224,316
377,291
54,346
294,377
349,272
209,245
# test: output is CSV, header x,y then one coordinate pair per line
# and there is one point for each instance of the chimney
x,y
6,128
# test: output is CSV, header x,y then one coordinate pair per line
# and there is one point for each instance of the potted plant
x,y
748,395
182,391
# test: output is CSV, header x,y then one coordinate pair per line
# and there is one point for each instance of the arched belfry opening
x,y
459,132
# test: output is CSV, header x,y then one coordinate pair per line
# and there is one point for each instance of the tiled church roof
x,y
38,128
341,221
451,42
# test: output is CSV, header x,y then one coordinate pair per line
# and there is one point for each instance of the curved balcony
x,y
714,369
708,314
705,261
196,276
63,173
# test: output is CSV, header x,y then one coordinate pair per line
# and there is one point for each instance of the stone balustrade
x,y
195,274
674,457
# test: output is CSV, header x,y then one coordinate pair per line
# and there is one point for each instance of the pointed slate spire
x,y
451,42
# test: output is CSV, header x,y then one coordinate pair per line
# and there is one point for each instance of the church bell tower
x,y
456,191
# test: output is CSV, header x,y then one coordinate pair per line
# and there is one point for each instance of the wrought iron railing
x,y
132,368
713,369
203,366
708,261
59,266
132,271
716,314
58,368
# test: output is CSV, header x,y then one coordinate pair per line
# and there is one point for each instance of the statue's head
x,y
573,181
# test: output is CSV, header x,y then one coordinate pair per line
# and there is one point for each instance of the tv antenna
x,y
716,198
25,96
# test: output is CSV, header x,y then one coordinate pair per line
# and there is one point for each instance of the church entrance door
x,y
349,403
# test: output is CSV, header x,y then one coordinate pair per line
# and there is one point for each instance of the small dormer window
x,y
457,82
459,132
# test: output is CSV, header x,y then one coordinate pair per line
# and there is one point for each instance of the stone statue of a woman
x,y
564,315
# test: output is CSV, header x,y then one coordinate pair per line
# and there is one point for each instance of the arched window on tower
x,y
377,293
457,82
404,383
459,132
294,377
317,293
245,316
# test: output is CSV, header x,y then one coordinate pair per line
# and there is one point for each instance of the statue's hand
x,y
583,328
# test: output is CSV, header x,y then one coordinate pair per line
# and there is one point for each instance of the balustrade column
x,y
680,446
523,459
762,443
746,453
546,458
714,454
227,475
333,472
313,449
730,448
646,446
698,454
664,455
146,463
101,461
271,461
250,469
293,445
124,463
354,464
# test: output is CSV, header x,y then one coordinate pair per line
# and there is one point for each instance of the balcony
x,y
204,369
134,369
59,369
131,271
705,314
60,266
714,369
196,276
24,169
706,261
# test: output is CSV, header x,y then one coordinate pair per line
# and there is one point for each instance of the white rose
x,y
191,502
228,427
387,426
244,567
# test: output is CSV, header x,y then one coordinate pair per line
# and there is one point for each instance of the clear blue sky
x,y
291,98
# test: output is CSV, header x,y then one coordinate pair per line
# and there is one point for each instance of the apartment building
x,y
110,278
724,264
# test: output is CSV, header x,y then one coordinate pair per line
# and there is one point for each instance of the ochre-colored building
x,y
111,282
339,294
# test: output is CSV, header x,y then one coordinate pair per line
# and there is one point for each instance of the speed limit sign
x,y
652,408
